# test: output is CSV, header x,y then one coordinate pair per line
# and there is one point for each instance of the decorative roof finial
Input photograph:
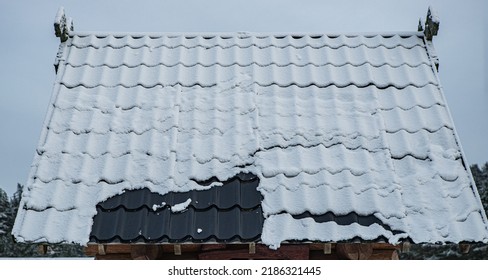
x,y
420,28
62,26
431,24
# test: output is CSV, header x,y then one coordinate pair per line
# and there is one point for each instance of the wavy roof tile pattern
x,y
352,125
231,212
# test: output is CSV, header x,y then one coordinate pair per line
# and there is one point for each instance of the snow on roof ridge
x,y
237,33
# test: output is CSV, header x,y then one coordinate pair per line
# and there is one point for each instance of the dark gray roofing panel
x,y
231,212
239,191
189,226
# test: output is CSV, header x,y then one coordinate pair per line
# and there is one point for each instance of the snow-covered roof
x,y
335,124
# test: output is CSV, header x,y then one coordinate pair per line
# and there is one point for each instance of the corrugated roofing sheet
x,y
330,124
231,212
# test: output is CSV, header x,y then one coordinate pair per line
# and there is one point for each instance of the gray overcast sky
x,y
28,48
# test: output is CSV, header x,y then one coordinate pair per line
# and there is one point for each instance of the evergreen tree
x,y
4,208
10,248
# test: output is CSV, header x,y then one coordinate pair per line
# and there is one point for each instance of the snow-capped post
x,y
62,26
431,24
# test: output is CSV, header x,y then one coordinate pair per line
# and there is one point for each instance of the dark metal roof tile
x,y
239,191
231,212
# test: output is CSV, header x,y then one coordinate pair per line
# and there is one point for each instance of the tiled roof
x,y
350,137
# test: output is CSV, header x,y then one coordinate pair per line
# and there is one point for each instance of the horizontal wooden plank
x,y
354,251
290,252
166,251
92,250
384,255
114,257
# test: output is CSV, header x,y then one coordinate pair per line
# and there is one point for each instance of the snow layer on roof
x,y
335,124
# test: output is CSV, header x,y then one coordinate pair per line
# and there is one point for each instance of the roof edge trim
x,y
474,189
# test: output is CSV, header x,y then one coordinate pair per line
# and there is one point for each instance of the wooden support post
x,y
464,248
102,249
394,256
177,249
42,249
406,247
252,248
327,248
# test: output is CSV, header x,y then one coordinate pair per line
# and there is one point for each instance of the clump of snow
x,y
155,207
60,16
434,16
180,207
199,230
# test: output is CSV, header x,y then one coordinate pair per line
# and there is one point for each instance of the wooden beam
x,y
384,255
382,251
114,257
101,249
42,249
354,251
177,249
252,248
288,252
138,252
327,248
185,248
385,246
406,247
464,248
395,256
208,247
92,249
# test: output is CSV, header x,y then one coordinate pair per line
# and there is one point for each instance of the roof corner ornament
x,y
62,25
420,28
431,24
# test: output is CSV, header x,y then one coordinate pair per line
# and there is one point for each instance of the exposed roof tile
x,y
231,212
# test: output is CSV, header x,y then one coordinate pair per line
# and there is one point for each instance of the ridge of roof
x,y
245,33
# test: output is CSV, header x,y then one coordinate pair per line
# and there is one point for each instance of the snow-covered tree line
x,y
9,248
